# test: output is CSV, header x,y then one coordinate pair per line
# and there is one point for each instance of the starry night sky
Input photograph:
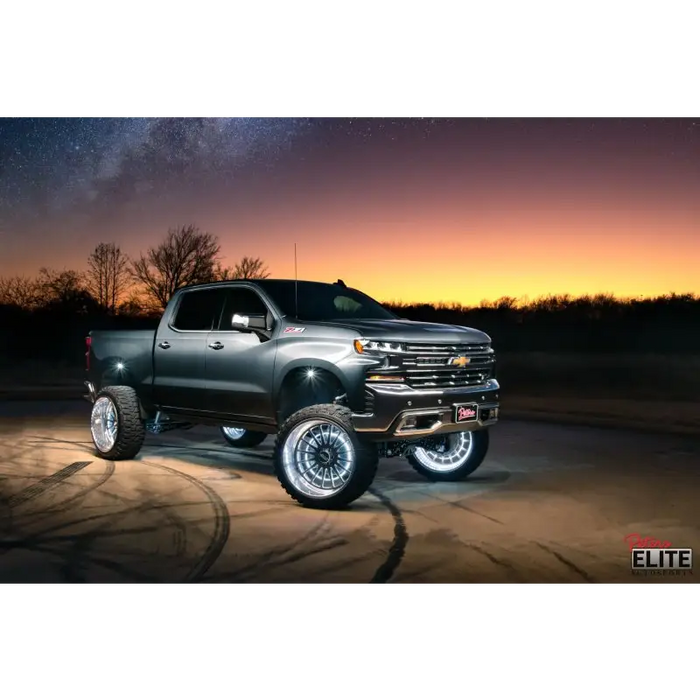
x,y
418,210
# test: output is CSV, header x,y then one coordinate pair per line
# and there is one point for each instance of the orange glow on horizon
x,y
445,260
522,211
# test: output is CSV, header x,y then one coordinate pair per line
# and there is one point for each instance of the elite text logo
x,y
649,556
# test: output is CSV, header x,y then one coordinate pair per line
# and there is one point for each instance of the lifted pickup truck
x,y
341,380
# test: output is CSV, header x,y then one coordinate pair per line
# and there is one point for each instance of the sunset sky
x,y
413,210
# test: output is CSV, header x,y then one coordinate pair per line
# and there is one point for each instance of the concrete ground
x,y
552,503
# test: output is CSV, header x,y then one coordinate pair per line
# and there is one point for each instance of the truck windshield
x,y
316,301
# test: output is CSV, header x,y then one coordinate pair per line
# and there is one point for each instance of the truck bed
x,y
116,356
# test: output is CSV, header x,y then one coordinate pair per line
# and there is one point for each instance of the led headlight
x,y
376,346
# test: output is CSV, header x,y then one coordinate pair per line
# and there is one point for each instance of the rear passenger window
x,y
197,311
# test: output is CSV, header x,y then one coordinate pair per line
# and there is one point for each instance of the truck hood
x,y
402,330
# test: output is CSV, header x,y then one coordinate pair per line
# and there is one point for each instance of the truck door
x,y
179,353
240,364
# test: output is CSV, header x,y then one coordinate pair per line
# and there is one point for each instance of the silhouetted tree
x,y
250,269
60,286
223,273
64,291
19,291
108,275
186,256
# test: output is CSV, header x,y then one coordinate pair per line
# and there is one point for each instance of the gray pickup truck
x,y
339,378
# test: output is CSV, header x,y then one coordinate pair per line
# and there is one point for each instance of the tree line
x,y
113,283
116,291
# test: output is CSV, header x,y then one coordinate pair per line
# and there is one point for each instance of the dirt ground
x,y
552,503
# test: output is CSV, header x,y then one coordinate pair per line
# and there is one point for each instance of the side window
x,y
241,302
197,311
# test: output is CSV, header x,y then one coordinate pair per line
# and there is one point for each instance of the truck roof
x,y
261,282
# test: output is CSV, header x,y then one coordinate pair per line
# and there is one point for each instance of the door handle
x,y
164,344
216,346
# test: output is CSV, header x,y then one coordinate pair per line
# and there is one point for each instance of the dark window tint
x,y
198,310
241,302
316,301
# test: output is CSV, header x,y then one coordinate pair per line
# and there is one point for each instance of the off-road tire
x,y
131,431
365,457
251,438
473,462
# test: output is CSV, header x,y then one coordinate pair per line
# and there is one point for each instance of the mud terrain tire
x,y
115,423
320,460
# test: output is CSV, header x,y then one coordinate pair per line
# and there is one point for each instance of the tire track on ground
x,y
64,505
46,484
397,549
73,565
502,563
567,563
222,523
222,527
276,556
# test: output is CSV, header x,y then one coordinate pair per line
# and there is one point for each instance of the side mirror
x,y
249,322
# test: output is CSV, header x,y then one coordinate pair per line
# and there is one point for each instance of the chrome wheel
x,y
234,433
318,458
450,455
104,424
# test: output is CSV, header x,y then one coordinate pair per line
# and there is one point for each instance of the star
x,y
61,163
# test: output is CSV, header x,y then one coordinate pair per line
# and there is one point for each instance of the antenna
x,y
296,285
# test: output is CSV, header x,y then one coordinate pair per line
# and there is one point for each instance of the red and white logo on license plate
x,y
466,413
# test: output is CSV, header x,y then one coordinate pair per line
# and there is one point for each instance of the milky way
x,y
49,165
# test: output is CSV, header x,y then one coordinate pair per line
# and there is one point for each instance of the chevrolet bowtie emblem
x,y
459,361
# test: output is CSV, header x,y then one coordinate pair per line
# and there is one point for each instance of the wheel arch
x,y
306,383
114,376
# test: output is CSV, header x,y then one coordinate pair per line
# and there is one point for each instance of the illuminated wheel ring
x,y
234,433
457,450
318,458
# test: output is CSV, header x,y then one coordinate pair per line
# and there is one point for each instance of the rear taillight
x,y
88,342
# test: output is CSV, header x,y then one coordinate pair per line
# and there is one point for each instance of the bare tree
x,y
249,269
64,291
108,276
60,286
223,273
186,256
19,291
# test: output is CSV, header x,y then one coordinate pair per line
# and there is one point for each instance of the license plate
x,y
466,413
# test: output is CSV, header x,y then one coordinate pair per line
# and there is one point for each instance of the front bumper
x,y
401,412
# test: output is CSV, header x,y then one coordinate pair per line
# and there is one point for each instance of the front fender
x,y
349,370
283,371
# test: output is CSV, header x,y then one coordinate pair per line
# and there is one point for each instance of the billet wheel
x,y
116,426
319,459
454,457
240,437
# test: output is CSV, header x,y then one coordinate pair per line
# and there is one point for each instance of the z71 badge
x,y
292,329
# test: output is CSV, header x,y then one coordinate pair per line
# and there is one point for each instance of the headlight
x,y
363,345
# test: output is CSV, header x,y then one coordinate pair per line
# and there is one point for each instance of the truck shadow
x,y
222,459
259,461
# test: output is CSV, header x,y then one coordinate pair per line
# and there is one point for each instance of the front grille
x,y
429,366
